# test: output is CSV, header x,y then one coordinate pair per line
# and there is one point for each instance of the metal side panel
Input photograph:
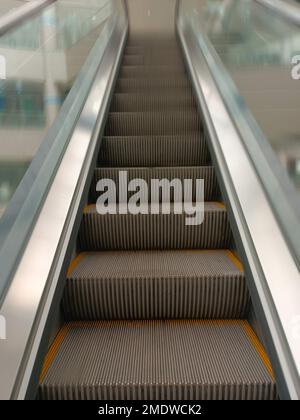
x,y
273,277
30,298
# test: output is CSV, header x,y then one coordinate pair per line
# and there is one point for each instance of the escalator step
x,y
156,285
150,71
134,50
159,58
154,231
137,102
153,123
153,51
207,173
136,40
147,85
148,360
133,60
177,150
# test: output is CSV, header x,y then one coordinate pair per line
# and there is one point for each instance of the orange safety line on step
x,y
88,207
75,263
53,350
258,347
235,260
219,204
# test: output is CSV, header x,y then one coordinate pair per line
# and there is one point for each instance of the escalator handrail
x,y
272,271
18,15
32,291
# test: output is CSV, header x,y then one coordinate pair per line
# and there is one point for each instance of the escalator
x,y
152,308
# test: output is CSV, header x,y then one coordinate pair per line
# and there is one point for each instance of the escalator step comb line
x,y
154,360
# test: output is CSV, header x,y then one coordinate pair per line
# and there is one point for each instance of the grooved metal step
x,y
153,51
154,231
153,123
133,60
134,50
150,71
206,173
156,285
146,42
137,102
148,360
144,85
177,150
151,59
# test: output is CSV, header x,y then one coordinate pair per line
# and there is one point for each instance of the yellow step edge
x,y
54,350
231,255
218,204
75,263
88,207
259,348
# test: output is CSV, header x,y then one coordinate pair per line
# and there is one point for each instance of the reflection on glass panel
x,y
257,47
294,170
10,177
75,26
294,2
71,26
42,57
25,38
7,6
22,103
